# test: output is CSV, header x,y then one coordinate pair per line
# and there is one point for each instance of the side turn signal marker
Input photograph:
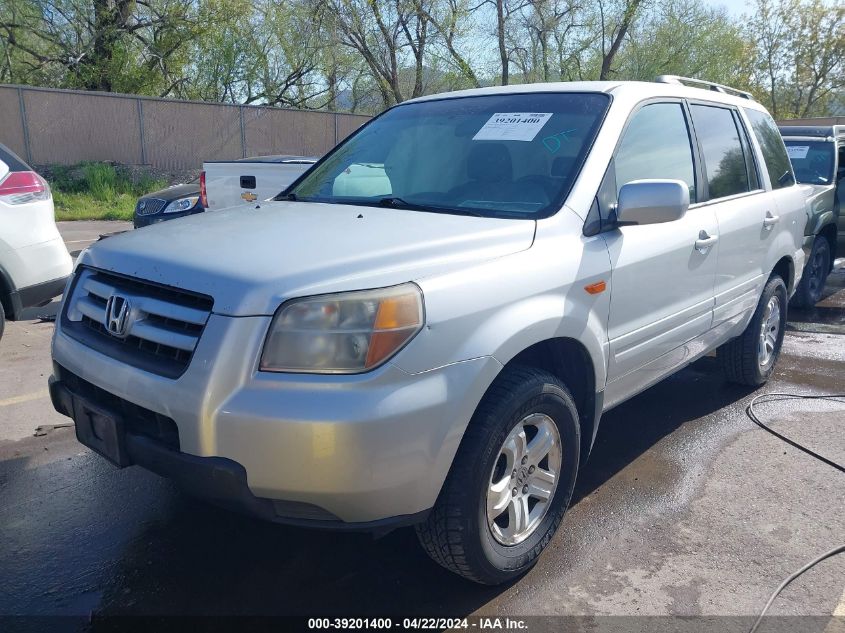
x,y
596,288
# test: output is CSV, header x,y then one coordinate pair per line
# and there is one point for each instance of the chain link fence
x,y
49,126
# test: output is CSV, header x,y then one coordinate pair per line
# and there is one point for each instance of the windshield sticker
x,y
512,126
797,151
553,142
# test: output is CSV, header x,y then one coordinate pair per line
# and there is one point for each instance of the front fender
x,y
501,307
820,221
820,210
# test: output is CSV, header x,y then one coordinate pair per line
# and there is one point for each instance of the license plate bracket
x,y
101,430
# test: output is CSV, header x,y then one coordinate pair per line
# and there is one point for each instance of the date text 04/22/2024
x,y
420,623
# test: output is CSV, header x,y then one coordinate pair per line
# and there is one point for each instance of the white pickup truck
x,y
231,183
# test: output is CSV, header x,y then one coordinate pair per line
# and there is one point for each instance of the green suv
x,y
818,158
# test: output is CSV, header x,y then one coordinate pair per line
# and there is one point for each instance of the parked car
x,y
168,204
236,183
436,345
34,262
268,175
818,158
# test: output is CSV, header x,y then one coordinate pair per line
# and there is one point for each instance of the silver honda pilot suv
x,y
427,326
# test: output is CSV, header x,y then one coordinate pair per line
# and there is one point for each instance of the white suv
x,y
34,262
434,345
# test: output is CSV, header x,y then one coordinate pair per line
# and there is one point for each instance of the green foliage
x,y
83,206
114,45
101,181
98,191
364,55
798,56
66,179
684,37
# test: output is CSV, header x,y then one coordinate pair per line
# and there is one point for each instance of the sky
x,y
734,7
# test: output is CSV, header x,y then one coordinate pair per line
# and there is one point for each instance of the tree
x,y
613,32
684,37
386,34
112,45
799,46
504,12
543,26
365,55
818,51
451,18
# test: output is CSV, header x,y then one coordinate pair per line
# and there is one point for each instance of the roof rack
x,y
700,83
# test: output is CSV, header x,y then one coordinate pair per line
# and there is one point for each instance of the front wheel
x,y
750,358
812,282
511,480
2,319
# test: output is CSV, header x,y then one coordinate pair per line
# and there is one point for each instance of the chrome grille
x,y
162,327
149,206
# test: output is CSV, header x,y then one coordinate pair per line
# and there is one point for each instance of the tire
x,y
457,533
742,359
2,319
810,289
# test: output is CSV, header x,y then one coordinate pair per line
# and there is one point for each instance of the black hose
x,y
774,397
787,396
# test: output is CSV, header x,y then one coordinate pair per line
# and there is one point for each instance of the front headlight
x,y
181,204
343,333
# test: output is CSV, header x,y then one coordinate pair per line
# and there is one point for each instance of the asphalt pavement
x,y
81,234
685,508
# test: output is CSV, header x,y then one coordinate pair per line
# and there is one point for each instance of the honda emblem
x,y
117,316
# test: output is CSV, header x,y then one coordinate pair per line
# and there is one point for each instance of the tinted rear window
x,y
15,162
774,152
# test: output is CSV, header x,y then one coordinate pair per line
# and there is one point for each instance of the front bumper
x,y
357,451
35,296
218,480
36,273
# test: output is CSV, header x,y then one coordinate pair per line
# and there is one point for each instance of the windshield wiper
x,y
395,201
287,196
400,203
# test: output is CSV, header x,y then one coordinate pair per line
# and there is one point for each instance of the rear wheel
x,y
511,480
750,358
2,319
816,270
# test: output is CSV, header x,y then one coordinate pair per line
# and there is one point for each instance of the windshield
x,y
812,161
512,155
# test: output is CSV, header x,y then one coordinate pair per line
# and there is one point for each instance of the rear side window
x,y
774,152
724,160
11,159
656,144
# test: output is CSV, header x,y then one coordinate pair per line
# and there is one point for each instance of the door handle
x,y
770,220
705,241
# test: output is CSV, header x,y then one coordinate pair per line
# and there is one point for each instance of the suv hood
x,y
251,260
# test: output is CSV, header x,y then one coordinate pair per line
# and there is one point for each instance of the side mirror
x,y
652,201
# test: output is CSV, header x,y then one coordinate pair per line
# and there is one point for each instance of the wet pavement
x,y
685,507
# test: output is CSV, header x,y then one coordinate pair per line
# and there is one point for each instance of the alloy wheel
x,y
524,479
769,330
